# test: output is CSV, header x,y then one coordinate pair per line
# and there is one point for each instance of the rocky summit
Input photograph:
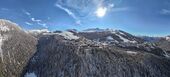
x,y
89,53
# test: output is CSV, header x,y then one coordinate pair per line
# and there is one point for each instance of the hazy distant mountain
x,y
150,39
89,53
16,48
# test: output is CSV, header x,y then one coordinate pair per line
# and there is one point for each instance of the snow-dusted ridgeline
x,y
65,34
39,31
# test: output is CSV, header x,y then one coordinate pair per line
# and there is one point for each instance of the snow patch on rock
x,y
167,38
133,41
30,75
131,52
166,54
3,28
109,38
125,40
122,38
2,39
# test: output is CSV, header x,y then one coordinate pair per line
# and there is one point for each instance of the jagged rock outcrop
x,y
16,48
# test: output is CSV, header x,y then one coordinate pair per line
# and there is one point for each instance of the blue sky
x,y
139,17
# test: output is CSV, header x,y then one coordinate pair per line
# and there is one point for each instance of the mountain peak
x,y
6,25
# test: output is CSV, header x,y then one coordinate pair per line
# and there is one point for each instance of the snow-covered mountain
x,y
58,56
116,36
150,39
89,53
92,53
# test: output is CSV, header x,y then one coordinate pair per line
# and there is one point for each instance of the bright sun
x,y
101,11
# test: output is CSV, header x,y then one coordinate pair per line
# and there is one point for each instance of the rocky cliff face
x,y
16,48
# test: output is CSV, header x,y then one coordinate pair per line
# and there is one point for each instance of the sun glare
x,y
101,11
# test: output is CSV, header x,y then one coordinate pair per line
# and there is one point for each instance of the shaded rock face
x,y
164,44
56,57
17,47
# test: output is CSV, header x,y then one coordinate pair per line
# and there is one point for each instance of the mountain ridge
x,y
103,53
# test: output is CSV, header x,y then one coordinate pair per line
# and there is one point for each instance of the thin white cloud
x,y
165,11
28,23
27,13
35,20
81,10
67,11
78,22
39,22
43,24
